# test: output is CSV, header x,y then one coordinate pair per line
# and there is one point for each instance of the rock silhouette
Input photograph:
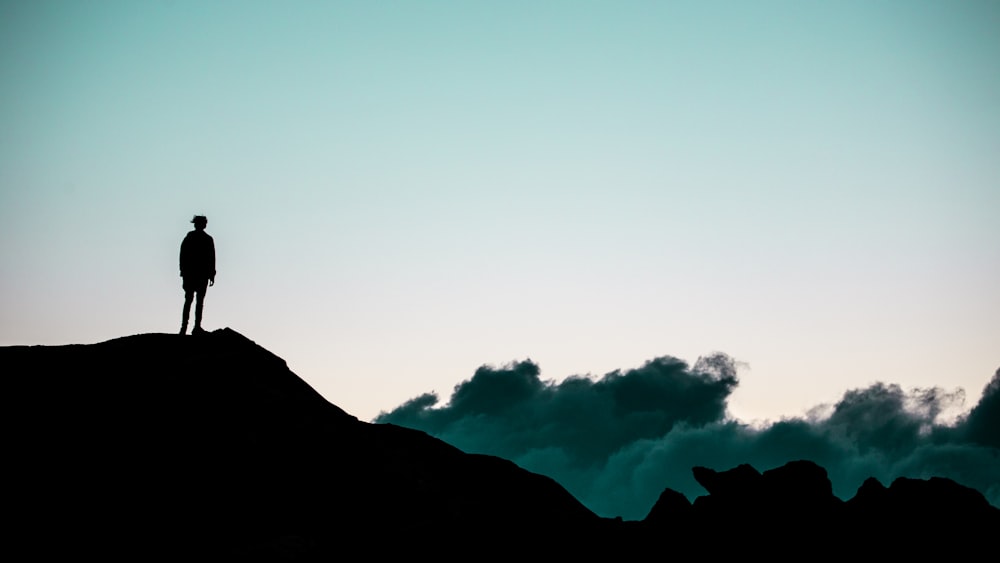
x,y
161,447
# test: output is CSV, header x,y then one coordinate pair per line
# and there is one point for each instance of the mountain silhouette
x,y
168,447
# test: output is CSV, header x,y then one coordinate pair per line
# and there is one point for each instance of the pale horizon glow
x,y
401,192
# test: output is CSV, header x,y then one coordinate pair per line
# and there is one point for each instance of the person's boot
x,y
184,328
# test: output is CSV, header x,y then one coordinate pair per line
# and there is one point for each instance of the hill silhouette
x,y
161,446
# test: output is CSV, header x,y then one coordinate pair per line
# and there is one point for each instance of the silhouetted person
x,y
197,269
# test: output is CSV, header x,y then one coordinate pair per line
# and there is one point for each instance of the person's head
x,y
200,221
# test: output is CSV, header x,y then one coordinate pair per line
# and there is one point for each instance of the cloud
x,y
982,426
615,442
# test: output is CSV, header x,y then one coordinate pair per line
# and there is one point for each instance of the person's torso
x,y
198,254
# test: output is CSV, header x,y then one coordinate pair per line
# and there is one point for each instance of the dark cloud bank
x,y
617,441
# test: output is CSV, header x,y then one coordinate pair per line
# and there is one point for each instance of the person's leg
x,y
198,305
188,296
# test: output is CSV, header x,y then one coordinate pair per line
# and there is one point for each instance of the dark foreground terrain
x,y
207,448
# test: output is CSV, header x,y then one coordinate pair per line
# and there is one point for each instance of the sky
x,y
403,192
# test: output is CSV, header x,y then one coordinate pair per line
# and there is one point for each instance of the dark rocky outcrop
x,y
168,447
672,509
798,488
793,506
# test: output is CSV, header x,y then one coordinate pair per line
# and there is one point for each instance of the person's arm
x,y
211,247
180,263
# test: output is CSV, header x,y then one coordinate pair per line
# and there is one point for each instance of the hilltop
x,y
208,447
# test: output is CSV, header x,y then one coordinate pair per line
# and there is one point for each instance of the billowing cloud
x,y
615,442
982,426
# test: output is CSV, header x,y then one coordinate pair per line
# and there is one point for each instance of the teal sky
x,y
401,192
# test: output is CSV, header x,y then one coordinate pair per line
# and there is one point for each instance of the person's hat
x,y
199,219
